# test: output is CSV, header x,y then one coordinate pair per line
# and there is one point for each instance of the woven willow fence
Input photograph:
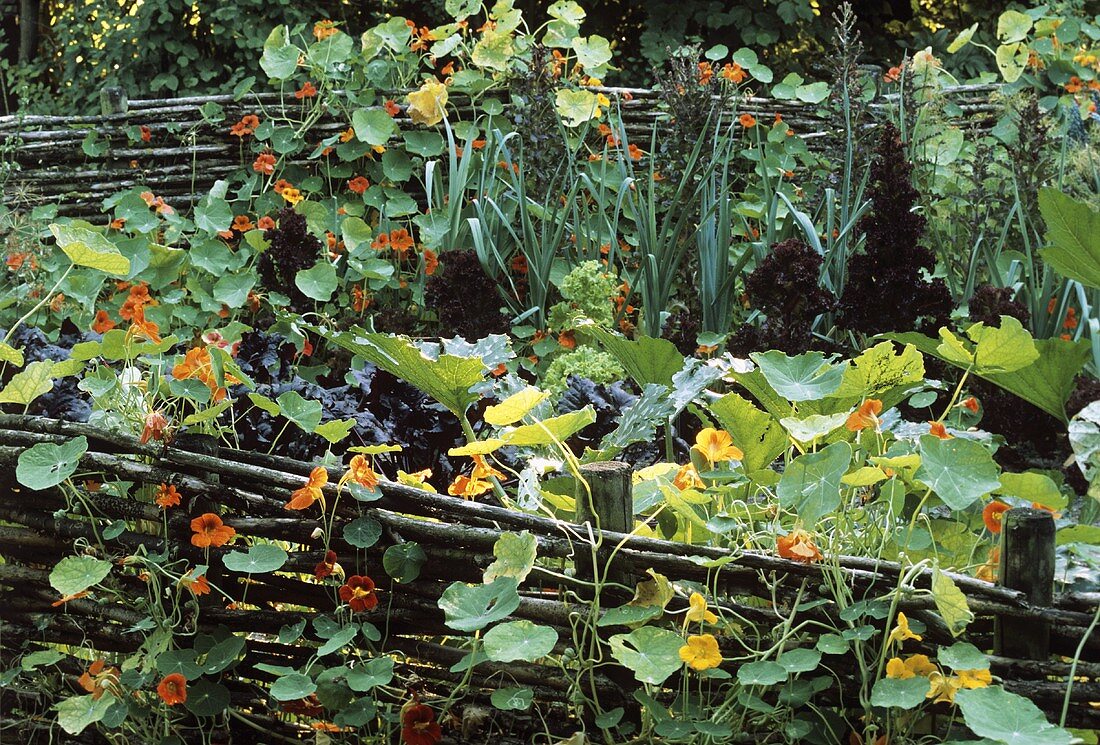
x,y
45,163
458,536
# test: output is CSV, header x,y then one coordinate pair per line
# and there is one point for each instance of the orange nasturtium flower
x,y
798,545
246,126
359,184
391,107
167,496
360,471
716,446
156,427
401,241
96,680
936,429
306,91
198,364
324,29
359,593
173,689
197,585
142,329
993,514
209,531
701,652
747,121
431,262
971,405
467,487
688,478
418,725
987,572
733,72
865,416
102,323
266,223
264,163
305,497
482,469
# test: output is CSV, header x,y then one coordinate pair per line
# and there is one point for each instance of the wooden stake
x,y
1027,564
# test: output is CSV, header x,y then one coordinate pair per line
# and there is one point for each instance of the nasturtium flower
x,y
359,593
167,496
209,530
418,725
466,487
988,571
865,416
974,678
971,404
716,446
246,126
993,515
391,107
697,610
798,545
143,329
901,632
687,478
359,184
417,479
324,29
264,163
291,195
325,568
102,323
172,689
198,364
431,262
942,689
360,471
936,429
910,667
701,652
427,105
156,427
747,121
197,585
304,497
98,679
306,91
482,469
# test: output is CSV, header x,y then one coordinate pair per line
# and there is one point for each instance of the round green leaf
x,y
900,694
512,699
86,247
292,687
763,673
46,465
363,532
373,126
519,640
963,656
260,559
317,282
75,574
371,674
652,654
74,714
1005,717
473,607
205,698
403,561
958,470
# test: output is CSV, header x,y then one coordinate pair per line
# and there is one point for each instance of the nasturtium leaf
x,y
1073,231
280,57
593,52
629,615
811,483
363,532
880,373
45,464
963,656
651,653
41,658
958,470
576,106
318,282
515,557
804,377
831,644
478,447
335,430
519,640
800,660
515,407
77,713
292,687
341,638
11,355
260,559
27,385
1013,26
1033,487
87,247
951,603
232,289
223,654
900,694
370,674
813,427
567,11
1012,60
75,574
762,673
447,378
512,699
557,428
306,414
404,561
182,661
962,39
1002,349
205,698
1008,718
373,126
493,51
473,607
292,632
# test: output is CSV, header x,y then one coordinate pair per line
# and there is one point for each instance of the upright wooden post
x,y
610,507
113,101
1027,564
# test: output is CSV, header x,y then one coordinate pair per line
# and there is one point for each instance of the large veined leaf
x,y
280,57
1046,383
901,694
447,379
804,377
473,607
645,359
75,574
46,465
27,385
558,428
1073,229
75,713
759,436
87,247
958,470
519,640
811,483
1005,717
515,557
951,603
880,373
515,407
652,654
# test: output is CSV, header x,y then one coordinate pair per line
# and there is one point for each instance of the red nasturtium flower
x,y
242,223
359,184
95,680
993,514
156,427
210,531
391,107
971,405
359,593
798,545
246,126
567,339
146,133
167,496
197,585
266,223
102,323
264,163
401,241
634,152
865,416
418,725
173,689
306,91
304,498
326,567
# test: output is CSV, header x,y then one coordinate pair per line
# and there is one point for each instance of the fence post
x,y
1027,564
113,100
612,503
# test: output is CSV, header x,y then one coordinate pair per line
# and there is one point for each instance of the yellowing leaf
x,y
29,384
10,354
655,591
515,407
951,603
86,247
1005,349
577,106
428,105
953,350
481,447
864,476
962,39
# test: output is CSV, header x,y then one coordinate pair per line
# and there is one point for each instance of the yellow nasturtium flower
x,y
716,446
701,652
911,667
698,612
428,104
901,632
974,678
942,689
